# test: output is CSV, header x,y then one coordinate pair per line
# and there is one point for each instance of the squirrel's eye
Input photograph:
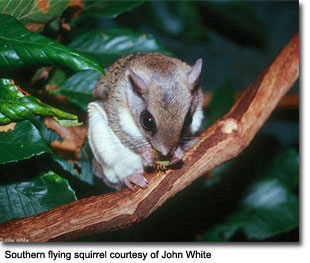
x,y
147,121
188,119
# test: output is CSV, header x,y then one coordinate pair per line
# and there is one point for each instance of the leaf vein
x,y
25,9
7,5
22,205
54,44
8,198
12,14
53,4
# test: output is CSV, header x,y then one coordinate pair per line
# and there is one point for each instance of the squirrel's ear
x,y
138,80
193,74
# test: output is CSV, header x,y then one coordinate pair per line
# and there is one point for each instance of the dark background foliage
x,y
253,197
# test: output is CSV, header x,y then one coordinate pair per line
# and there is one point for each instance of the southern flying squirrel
x,y
145,102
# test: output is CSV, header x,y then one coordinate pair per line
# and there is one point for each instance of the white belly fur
x,y
116,160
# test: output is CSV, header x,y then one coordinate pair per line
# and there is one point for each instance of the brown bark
x,y
222,141
290,101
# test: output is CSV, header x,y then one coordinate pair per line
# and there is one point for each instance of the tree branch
x,y
225,139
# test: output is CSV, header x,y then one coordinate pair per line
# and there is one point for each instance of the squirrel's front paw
x,y
177,155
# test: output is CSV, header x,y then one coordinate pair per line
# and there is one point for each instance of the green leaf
x,y
21,143
16,105
34,196
177,19
33,13
286,168
20,47
269,209
269,206
221,101
80,169
67,123
106,45
109,9
272,209
47,134
78,88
